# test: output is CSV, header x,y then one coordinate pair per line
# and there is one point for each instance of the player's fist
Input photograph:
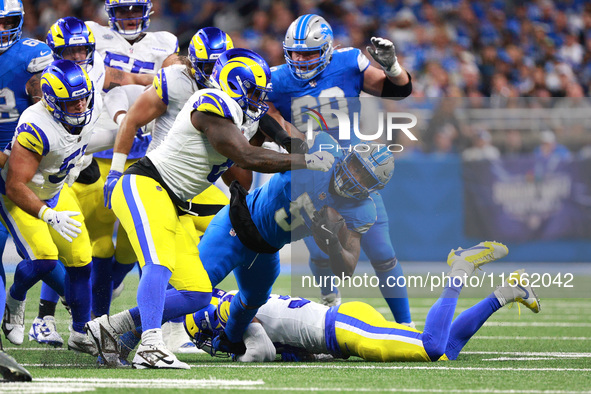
x,y
110,183
384,53
319,161
62,222
327,225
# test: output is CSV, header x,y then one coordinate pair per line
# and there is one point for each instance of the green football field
x,y
545,353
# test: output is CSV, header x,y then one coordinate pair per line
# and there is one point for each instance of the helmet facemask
x,y
12,17
141,11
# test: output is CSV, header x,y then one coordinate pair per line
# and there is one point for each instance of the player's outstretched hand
x,y
110,183
221,343
62,222
319,161
384,52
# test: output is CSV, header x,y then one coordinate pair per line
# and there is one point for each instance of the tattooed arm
x,y
33,88
115,77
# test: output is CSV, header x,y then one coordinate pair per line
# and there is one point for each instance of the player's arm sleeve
x,y
40,59
32,138
259,347
160,83
213,103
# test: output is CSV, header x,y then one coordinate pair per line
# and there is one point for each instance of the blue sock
x,y
119,272
78,295
438,322
56,280
179,303
48,294
240,319
396,297
102,285
151,294
27,273
467,323
2,290
137,320
129,340
321,271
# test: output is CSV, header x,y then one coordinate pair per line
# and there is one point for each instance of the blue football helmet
x,y
359,173
245,76
224,307
12,12
205,48
116,23
308,33
64,81
70,32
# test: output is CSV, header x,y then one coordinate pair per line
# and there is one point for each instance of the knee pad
x,y
384,265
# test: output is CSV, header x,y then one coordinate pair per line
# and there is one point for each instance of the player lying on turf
x,y
298,328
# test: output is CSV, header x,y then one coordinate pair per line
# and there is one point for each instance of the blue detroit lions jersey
x,y
337,88
17,65
282,208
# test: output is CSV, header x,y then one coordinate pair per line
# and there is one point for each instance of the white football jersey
x,y
39,132
144,56
185,160
174,86
96,73
294,322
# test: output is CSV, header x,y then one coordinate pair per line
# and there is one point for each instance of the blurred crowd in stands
x,y
496,51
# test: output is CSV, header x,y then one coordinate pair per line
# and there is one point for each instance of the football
x,y
333,216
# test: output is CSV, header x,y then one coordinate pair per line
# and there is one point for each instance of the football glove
x,y
62,222
384,53
319,161
324,229
221,343
112,179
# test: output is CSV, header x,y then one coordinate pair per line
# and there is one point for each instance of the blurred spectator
x,y
513,144
481,148
549,148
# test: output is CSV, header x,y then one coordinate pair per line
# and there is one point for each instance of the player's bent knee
x,y
384,265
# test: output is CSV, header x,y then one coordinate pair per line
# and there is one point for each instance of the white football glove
x,y
319,161
62,222
385,54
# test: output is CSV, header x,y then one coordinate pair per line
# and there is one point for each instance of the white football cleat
x,y
105,338
81,343
177,340
332,299
156,356
43,331
467,260
517,289
13,323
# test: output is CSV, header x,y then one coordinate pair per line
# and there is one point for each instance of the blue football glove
x,y
221,343
110,183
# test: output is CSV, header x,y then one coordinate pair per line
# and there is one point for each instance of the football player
x,y
172,87
71,39
257,225
209,135
125,45
316,77
42,216
302,330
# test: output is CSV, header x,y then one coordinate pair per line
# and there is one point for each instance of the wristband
x,y
395,70
42,211
119,118
118,162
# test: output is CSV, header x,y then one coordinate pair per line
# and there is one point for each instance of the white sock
x,y
122,322
461,269
152,337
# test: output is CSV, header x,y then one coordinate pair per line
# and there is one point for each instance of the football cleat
x,y
157,357
332,299
478,255
523,293
80,342
13,323
43,331
105,338
177,340
12,371
121,362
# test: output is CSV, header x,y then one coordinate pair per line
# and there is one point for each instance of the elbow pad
x,y
396,92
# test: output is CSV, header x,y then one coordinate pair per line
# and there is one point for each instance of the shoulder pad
x,y
32,138
213,103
